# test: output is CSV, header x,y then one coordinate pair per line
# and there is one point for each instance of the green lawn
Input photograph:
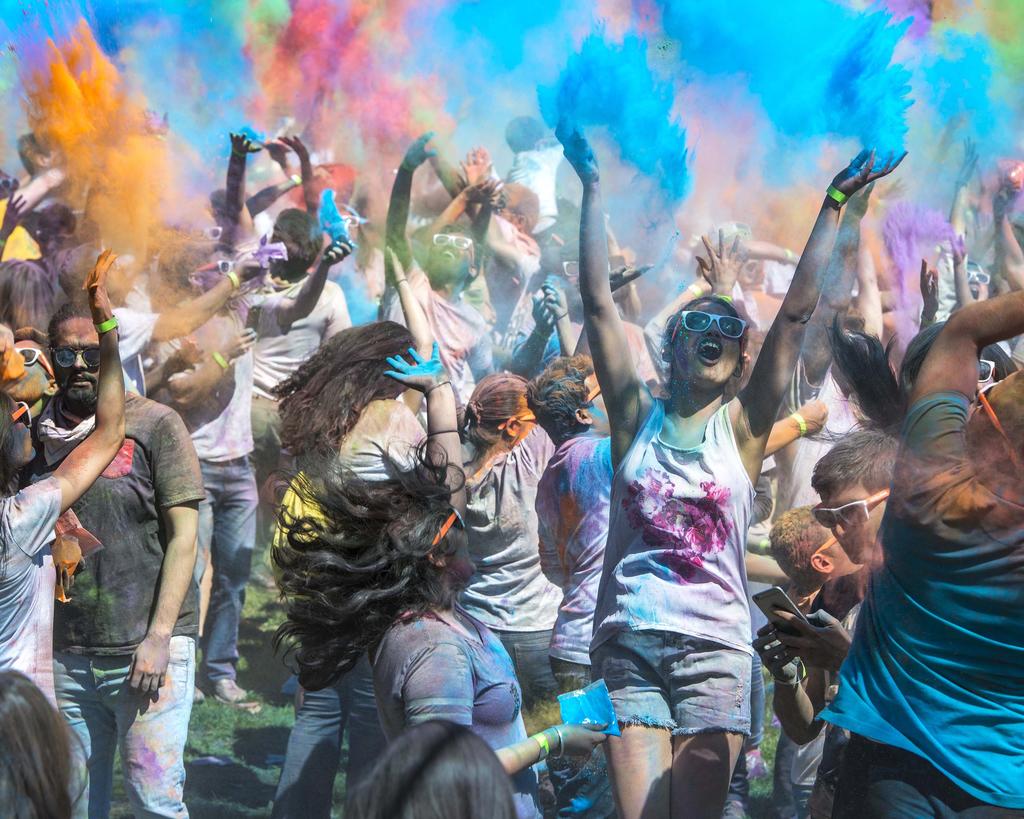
x,y
234,758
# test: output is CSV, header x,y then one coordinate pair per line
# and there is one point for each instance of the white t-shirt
x,y
134,332
538,171
27,581
280,351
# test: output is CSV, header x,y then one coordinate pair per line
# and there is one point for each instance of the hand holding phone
x,y
771,601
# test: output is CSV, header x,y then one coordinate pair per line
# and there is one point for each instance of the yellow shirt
x,y
21,245
295,505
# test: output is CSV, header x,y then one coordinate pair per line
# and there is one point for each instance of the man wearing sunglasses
x,y
124,646
461,330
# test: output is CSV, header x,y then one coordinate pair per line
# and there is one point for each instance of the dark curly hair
x,y
360,559
557,393
496,398
324,398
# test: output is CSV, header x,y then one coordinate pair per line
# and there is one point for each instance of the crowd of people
x,y
770,491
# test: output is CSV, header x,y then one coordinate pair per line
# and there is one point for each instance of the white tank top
x,y
677,535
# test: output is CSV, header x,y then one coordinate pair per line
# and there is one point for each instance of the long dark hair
x,y
436,770
360,558
324,398
35,752
880,391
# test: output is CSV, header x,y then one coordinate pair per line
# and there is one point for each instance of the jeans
x,y
582,786
739,785
314,747
227,529
783,792
106,714
529,653
267,459
878,781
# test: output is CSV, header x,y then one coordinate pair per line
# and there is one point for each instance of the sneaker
x,y
229,691
198,697
734,810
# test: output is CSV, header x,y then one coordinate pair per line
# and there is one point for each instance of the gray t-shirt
x,y
27,582
508,590
116,589
428,669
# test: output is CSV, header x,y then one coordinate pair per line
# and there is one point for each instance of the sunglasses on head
x,y
697,321
33,355
453,239
67,356
849,514
21,413
571,271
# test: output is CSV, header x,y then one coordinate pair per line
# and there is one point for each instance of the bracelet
x,y
431,389
223,362
726,299
800,422
235,281
241,154
106,326
836,195
696,289
561,740
791,256
443,432
296,178
542,741
559,318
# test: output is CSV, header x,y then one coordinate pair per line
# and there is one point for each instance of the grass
x,y
233,758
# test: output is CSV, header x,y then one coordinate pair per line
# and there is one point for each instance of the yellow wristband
x,y
545,746
235,281
800,422
296,179
696,289
223,362
726,299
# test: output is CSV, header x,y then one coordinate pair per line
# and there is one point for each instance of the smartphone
x,y
770,601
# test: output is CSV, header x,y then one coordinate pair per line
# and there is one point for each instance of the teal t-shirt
x,y
937,661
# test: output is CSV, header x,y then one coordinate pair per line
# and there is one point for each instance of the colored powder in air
x,y
818,68
910,231
78,106
612,85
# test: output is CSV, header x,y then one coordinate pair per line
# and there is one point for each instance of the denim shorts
x,y
686,685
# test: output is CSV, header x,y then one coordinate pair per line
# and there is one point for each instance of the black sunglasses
x,y
67,356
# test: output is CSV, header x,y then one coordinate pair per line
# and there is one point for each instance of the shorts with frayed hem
x,y
682,684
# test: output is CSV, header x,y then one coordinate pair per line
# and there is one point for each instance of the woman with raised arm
x,y
672,625
28,516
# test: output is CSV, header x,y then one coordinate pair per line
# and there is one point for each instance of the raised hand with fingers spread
x,y
578,151
722,266
423,374
860,173
477,166
929,292
12,216
419,152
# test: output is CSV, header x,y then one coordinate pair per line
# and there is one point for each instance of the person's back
x,y
937,663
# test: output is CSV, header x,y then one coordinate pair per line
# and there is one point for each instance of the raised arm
x,y
190,387
952,361
191,315
88,460
16,208
1009,256
401,191
241,147
964,296
309,195
312,288
758,404
958,210
837,291
444,446
625,395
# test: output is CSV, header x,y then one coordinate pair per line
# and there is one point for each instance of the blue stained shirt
x,y
937,661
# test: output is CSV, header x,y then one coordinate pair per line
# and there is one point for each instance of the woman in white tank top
x,y
672,626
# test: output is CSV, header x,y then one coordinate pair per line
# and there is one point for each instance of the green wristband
x,y
235,281
296,179
836,195
106,326
545,746
223,362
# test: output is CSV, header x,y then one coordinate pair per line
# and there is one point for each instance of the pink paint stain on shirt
x,y
690,529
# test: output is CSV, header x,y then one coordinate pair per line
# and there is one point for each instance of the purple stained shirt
x,y
428,669
572,512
